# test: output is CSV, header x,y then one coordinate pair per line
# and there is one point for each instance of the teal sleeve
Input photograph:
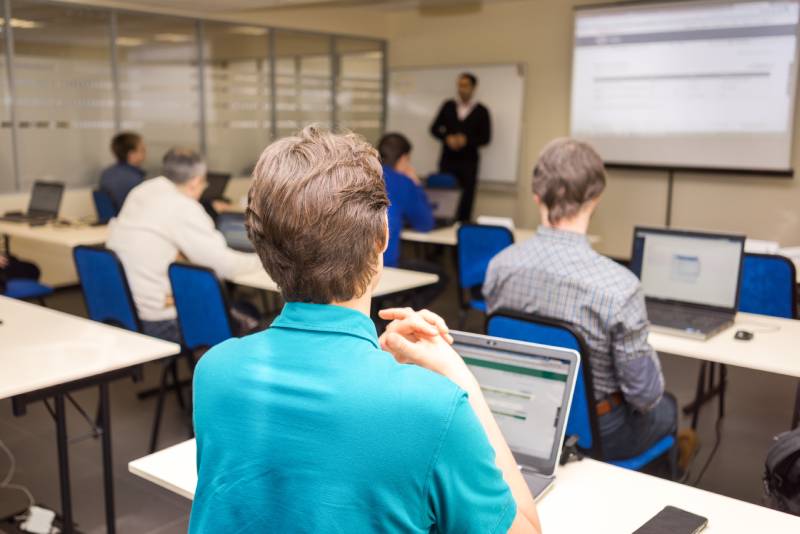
x,y
467,492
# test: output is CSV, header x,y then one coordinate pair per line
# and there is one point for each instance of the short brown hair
x,y
123,144
316,214
568,174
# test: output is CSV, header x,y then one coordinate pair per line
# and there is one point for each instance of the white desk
x,y
448,236
393,281
589,497
774,347
599,498
173,468
50,247
67,236
47,354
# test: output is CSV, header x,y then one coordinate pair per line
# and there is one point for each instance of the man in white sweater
x,y
160,222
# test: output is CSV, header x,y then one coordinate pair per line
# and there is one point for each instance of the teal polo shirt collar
x,y
327,318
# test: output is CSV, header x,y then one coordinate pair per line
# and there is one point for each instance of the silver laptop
x,y
444,204
529,389
690,279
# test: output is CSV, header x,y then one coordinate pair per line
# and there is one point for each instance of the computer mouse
x,y
743,335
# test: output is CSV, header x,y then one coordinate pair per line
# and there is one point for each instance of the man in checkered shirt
x,y
557,275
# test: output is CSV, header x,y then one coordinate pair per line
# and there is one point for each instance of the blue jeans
x,y
166,330
626,433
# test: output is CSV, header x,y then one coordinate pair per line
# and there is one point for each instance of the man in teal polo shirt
x,y
316,424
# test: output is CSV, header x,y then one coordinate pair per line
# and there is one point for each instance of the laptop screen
x,y
217,183
528,394
688,267
46,198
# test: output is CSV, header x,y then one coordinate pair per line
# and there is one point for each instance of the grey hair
x,y
569,174
183,164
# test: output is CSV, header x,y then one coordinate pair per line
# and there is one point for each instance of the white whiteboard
x,y
416,94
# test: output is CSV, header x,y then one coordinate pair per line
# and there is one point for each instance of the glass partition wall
x,y
73,75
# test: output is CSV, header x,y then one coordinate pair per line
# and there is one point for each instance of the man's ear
x,y
386,232
537,199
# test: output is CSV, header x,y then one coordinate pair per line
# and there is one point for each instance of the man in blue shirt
x,y
118,179
408,206
408,203
316,424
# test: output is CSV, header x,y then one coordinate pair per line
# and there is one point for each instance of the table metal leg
x,y
108,468
63,465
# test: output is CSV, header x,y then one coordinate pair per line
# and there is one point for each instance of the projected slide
x,y
698,84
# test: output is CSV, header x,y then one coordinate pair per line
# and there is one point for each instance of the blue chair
x,y
104,206
442,181
582,420
202,304
105,288
27,289
109,300
769,287
476,246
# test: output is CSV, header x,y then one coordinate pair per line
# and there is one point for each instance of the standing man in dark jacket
x,y
463,125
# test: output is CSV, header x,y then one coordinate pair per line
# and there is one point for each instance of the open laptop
x,y
444,203
690,279
43,206
217,183
529,389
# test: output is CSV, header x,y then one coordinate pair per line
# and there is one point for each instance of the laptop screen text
x,y
525,394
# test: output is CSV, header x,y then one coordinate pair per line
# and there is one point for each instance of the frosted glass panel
x,y
159,84
64,92
359,87
237,95
74,89
7,179
304,81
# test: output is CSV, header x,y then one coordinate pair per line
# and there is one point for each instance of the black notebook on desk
x,y
673,520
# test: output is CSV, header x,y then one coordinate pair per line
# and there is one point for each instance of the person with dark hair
x,y
162,220
118,179
316,424
463,125
557,275
409,205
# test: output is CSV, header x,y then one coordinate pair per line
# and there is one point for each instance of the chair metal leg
x,y
723,386
173,367
698,396
162,393
462,318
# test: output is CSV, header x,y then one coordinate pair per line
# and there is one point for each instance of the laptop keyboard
x,y
685,318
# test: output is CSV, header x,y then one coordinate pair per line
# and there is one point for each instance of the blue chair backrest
x,y
550,333
442,181
201,304
477,245
104,206
768,286
105,288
